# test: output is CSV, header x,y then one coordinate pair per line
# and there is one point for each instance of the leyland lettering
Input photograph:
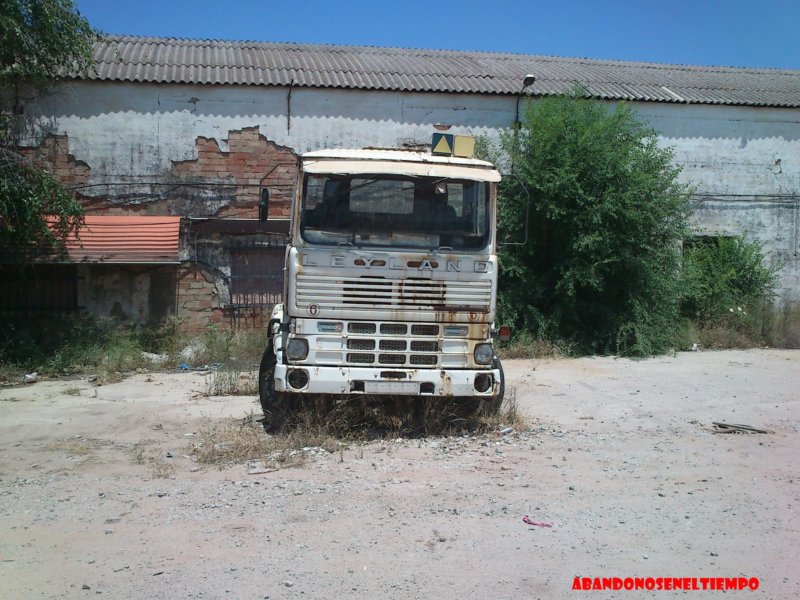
x,y
369,262
390,282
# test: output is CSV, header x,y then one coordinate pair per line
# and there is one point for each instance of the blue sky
x,y
744,33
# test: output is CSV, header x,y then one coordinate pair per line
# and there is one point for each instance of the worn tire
x,y
274,404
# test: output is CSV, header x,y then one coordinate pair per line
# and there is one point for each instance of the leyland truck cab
x,y
390,282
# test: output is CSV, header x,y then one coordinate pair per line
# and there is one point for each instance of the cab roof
x,y
397,162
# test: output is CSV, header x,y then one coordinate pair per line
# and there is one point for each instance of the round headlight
x,y
483,354
297,349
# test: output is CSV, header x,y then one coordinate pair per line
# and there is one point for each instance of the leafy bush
x,y
725,276
601,268
729,291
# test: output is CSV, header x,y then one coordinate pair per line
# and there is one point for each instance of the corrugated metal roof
x,y
124,239
169,60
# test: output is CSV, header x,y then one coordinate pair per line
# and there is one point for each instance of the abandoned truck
x,y
390,281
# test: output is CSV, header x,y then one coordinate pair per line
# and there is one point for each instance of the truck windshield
x,y
400,211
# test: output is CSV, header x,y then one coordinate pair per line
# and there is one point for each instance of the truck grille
x,y
375,293
365,328
394,328
358,344
415,349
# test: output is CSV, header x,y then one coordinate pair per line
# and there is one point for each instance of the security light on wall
x,y
528,82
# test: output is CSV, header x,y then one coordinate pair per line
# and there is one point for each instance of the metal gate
x,y
256,271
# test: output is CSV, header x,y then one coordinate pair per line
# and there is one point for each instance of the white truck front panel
x,y
368,284
401,382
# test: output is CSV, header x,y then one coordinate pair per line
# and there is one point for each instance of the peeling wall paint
x,y
744,162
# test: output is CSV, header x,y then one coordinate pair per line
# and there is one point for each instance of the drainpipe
x,y
289,108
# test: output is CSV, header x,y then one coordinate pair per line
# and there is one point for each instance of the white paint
x,y
133,132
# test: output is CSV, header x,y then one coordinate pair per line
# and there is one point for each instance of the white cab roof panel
x,y
398,162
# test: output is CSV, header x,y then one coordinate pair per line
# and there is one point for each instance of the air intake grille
x,y
427,360
370,293
431,330
392,344
359,344
360,359
365,328
392,359
394,329
424,346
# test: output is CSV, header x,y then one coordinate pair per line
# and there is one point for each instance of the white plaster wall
x,y
744,161
129,132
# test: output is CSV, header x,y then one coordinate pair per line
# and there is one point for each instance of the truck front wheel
x,y
274,404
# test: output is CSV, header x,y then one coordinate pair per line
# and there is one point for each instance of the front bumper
x,y
396,382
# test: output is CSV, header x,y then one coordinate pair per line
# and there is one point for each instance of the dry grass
x,y
508,415
231,382
366,417
77,446
325,425
157,466
777,328
526,345
245,440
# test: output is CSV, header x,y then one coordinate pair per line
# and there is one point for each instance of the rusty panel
x,y
125,239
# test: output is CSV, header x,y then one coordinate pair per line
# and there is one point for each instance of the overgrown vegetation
x,y
600,272
41,43
728,293
61,346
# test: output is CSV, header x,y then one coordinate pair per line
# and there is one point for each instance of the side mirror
x,y
263,205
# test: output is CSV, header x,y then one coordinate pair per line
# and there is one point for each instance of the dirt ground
x,y
99,495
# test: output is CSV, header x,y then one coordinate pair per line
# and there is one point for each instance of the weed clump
x,y
240,441
333,427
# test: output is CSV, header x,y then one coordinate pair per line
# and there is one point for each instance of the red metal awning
x,y
125,240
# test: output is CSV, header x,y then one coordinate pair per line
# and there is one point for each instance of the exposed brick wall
x,y
53,156
198,300
251,163
233,181
199,305
216,183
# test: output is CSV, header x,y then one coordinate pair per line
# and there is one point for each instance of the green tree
x,y
601,267
41,43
